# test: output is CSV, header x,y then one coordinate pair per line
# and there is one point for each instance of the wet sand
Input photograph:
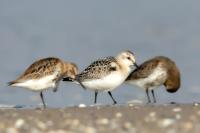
x,y
132,118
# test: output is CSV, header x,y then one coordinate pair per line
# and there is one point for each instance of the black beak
x,y
67,79
135,64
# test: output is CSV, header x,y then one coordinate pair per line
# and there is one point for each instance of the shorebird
x,y
44,74
106,74
155,72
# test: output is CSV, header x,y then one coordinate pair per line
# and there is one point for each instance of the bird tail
x,y
12,83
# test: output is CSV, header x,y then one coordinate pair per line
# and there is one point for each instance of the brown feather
x,y
173,80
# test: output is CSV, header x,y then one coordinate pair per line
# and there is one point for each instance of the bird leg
x,y
41,95
147,92
154,98
114,102
95,98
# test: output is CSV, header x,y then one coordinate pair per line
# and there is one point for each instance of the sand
x,y
131,118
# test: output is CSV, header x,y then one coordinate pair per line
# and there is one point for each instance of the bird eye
x,y
128,58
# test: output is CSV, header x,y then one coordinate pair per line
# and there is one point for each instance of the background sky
x,y
83,31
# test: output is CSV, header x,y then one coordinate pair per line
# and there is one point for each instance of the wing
x,y
144,70
98,69
41,68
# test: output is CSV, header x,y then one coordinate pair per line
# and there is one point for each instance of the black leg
x,y
41,95
147,92
154,98
112,97
95,98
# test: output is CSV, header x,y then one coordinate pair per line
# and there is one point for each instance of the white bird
x,y
106,74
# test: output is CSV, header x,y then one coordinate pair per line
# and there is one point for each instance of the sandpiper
x,y
106,74
155,72
44,74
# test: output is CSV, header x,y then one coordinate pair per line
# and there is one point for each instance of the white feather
x,y
159,75
38,84
107,83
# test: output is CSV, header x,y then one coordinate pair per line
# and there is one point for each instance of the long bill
x,y
135,64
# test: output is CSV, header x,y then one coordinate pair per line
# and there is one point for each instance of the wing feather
x,y
97,69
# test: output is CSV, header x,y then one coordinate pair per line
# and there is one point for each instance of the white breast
x,y
107,83
157,77
38,84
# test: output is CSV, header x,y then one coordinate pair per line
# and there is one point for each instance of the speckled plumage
x,y
44,74
42,68
98,69
106,74
45,67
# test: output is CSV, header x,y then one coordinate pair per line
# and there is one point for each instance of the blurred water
x,y
82,31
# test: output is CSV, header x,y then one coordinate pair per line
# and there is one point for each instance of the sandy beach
x,y
131,118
